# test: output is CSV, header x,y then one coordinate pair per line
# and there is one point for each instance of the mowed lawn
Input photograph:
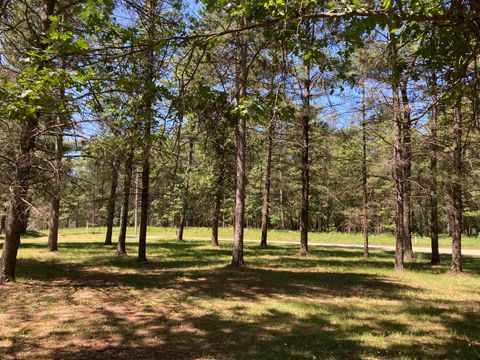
x,y
192,233
187,303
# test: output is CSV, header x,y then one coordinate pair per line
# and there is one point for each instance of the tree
x,y
127,181
241,146
364,173
111,204
455,186
21,181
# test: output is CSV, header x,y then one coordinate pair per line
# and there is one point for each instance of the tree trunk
x,y
149,96
241,144
305,124
142,240
407,161
305,187
25,215
456,189
18,201
267,182
398,167
183,214
21,183
127,180
282,212
364,175
435,258
55,201
111,205
3,221
216,210
219,182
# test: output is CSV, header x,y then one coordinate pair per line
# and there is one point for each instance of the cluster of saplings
x,y
309,115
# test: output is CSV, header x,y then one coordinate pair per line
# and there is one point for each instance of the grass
x,y
186,303
471,243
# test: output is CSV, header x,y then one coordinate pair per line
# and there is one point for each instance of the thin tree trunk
x,y
55,201
111,205
219,182
267,182
127,180
305,187
456,190
364,175
435,258
216,210
305,123
282,212
183,214
135,205
407,161
241,144
398,170
149,97
142,241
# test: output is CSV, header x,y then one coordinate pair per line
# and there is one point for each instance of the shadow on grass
x,y
321,285
249,283
196,254
196,333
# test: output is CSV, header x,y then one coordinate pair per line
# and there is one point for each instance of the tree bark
x,y
219,182
149,97
267,182
435,257
111,205
456,189
282,212
3,221
127,180
305,124
364,174
241,144
25,215
21,183
407,161
398,167
55,201
144,197
183,214
18,201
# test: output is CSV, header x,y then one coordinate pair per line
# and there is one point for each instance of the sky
x,y
341,109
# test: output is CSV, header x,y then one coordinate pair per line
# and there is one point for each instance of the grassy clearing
x,y
472,243
185,303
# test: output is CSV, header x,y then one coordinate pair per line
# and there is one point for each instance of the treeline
x,y
336,186
309,115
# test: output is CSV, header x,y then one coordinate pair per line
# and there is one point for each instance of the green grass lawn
x,y
187,303
278,235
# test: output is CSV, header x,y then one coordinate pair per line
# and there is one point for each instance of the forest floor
x,y
187,303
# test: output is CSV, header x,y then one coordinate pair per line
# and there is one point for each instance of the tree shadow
x,y
273,334
327,286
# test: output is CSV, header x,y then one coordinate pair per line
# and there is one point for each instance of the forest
x,y
243,157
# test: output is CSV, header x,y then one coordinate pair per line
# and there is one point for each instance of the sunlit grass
x,y
286,236
187,303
